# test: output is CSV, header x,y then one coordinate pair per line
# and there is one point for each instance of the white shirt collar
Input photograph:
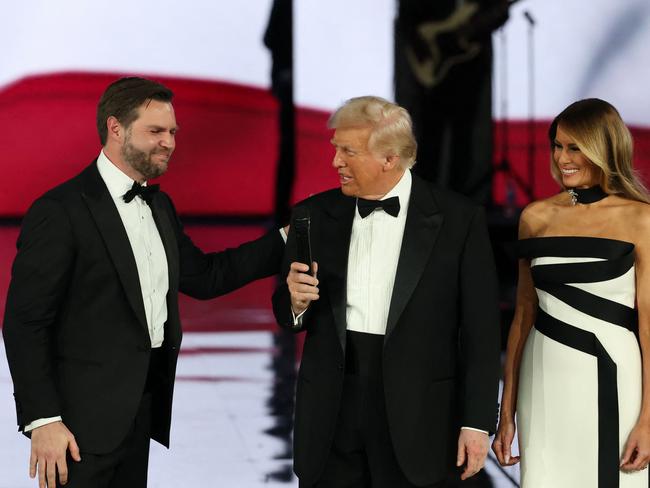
x,y
117,182
402,190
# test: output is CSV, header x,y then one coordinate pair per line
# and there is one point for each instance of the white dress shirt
x,y
148,250
373,256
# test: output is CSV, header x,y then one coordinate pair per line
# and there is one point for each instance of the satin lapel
x,y
161,215
110,226
335,242
423,223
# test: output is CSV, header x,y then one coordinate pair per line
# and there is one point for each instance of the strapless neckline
x,y
593,238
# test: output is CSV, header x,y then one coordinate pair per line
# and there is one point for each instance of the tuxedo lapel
x,y
162,218
168,237
423,223
112,230
335,239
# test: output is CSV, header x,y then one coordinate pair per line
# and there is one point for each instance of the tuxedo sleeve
x,y
479,328
208,275
39,279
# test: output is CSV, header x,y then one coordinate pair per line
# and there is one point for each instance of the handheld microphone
x,y
301,222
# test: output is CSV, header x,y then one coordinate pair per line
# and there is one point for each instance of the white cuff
x,y
297,319
475,430
41,422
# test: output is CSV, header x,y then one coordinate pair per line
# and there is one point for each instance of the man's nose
x,y
337,161
168,141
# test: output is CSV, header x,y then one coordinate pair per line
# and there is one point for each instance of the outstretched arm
x,y
208,275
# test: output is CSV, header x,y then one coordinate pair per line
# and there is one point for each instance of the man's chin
x,y
157,169
162,168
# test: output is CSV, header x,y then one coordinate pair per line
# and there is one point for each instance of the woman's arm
x,y
637,449
524,317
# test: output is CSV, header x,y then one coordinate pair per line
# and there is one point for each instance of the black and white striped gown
x,y
580,379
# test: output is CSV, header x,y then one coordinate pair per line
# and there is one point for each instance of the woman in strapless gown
x,y
575,372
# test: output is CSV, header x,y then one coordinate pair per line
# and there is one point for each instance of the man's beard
x,y
141,160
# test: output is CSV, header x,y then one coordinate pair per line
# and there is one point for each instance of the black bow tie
x,y
144,192
390,206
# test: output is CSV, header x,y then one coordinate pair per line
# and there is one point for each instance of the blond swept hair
x,y
601,135
392,128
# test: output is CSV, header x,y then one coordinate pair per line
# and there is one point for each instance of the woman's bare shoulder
x,y
636,217
628,219
537,215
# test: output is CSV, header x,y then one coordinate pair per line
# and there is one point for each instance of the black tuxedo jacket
x,y
75,329
441,349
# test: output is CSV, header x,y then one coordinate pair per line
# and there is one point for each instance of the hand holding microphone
x,y
303,287
302,281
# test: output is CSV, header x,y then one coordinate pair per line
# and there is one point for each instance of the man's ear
x,y
391,161
115,129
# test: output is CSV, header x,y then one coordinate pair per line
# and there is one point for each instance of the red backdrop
x,y
226,153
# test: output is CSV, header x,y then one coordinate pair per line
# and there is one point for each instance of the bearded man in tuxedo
x,y
92,328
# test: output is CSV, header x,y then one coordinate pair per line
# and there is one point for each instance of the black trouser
x,y
362,454
127,465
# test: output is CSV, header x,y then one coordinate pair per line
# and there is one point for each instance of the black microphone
x,y
301,230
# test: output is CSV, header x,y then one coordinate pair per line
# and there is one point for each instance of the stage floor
x,y
233,389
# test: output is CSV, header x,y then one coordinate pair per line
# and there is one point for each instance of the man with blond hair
x,y
398,381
